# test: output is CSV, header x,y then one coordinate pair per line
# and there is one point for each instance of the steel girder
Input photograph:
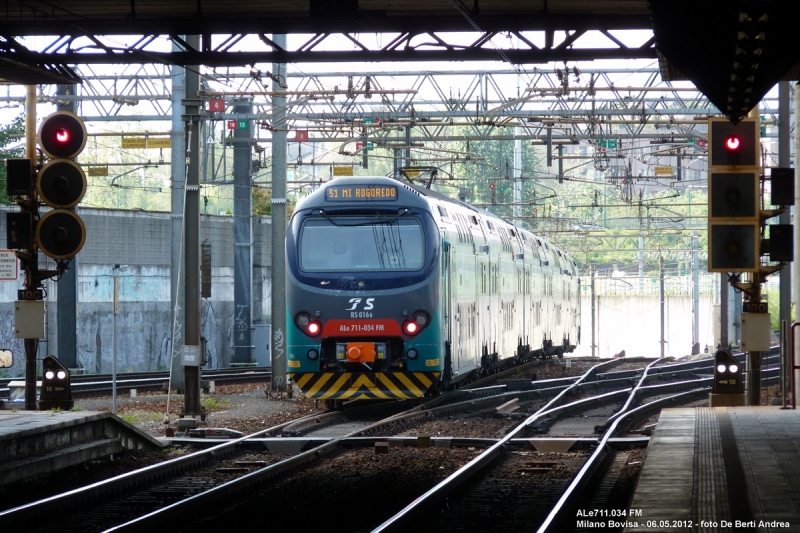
x,y
250,49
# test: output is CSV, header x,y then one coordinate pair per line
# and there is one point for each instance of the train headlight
x,y
733,368
413,354
313,355
721,368
416,323
307,324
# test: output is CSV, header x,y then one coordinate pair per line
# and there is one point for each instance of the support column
x,y
67,304
785,218
796,265
191,243
242,238
724,322
695,295
279,147
407,162
31,345
661,298
591,277
178,171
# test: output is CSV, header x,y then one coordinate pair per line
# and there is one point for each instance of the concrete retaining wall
x,y
141,240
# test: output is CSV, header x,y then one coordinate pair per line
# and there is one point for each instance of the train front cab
x,y
363,315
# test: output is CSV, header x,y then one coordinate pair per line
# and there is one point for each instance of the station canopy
x,y
733,51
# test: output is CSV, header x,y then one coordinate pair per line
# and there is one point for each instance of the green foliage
x,y
214,403
17,127
4,373
76,408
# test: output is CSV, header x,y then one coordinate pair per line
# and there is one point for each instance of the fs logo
x,y
355,301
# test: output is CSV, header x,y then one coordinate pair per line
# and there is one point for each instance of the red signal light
x,y
62,135
491,186
733,142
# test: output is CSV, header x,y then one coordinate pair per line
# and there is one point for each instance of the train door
x,y
447,308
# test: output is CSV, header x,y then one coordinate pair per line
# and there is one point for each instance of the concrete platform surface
x,y
39,442
724,469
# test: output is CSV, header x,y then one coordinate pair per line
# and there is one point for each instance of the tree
x,y
8,135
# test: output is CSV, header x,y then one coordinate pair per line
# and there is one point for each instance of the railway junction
x,y
549,288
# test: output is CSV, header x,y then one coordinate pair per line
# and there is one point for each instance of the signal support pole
x,y
278,350
242,237
661,297
68,282
191,373
31,263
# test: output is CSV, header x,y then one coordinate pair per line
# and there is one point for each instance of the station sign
x,y
9,265
663,171
240,124
159,142
30,294
301,136
101,170
216,105
360,146
134,142
339,170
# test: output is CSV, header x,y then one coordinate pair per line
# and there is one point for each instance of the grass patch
x,y
214,403
138,417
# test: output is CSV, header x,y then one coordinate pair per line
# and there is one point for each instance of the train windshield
x,y
357,244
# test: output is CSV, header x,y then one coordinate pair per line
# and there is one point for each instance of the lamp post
x,y
117,270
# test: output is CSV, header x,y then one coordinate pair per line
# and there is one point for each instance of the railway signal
x,y
59,234
61,184
734,201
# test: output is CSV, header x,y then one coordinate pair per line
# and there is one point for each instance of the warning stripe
x,y
335,387
392,387
380,385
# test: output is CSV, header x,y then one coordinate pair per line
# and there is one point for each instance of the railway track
x,y
210,486
497,498
99,384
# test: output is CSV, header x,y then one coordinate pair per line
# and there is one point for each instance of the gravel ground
x,y
472,426
243,407
80,475
354,491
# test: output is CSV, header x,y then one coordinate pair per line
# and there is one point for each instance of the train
x,y
396,291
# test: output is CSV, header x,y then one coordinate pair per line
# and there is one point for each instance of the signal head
x,y
733,144
62,135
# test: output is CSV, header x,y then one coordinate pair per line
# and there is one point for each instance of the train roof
x,y
409,193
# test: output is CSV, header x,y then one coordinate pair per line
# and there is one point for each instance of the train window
x,y
512,232
490,225
474,220
354,244
442,211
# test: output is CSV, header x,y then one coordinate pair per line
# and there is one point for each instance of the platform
x,y
721,469
33,443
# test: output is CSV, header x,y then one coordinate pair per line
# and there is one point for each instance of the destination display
x,y
360,193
